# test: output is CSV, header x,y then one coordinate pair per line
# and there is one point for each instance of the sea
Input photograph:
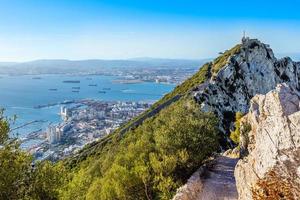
x,y
23,94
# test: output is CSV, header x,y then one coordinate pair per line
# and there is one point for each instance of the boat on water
x,y
102,92
93,85
75,91
53,89
37,78
44,106
76,88
105,88
71,81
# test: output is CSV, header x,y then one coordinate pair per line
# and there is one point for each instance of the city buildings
x,y
83,125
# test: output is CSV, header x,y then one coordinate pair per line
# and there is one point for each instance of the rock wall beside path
x,y
270,164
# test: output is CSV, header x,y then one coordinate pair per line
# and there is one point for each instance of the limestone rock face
x,y
192,188
254,70
270,166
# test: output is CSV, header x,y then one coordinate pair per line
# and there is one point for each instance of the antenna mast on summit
x,y
244,37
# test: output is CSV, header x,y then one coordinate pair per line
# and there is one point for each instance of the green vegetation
x,y
220,62
150,162
18,178
235,135
239,128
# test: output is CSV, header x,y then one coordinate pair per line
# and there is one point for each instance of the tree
x,y
15,165
19,178
46,181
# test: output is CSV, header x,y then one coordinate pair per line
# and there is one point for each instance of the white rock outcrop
x,y
271,150
254,70
192,188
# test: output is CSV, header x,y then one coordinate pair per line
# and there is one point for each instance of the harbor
x,y
47,93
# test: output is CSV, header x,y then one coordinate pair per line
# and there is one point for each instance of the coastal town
x,y
83,122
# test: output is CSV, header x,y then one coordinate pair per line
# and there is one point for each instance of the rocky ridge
x,y
252,70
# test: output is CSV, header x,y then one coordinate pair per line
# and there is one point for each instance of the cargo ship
x,y
71,81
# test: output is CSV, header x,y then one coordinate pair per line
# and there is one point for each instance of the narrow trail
x,y
218,181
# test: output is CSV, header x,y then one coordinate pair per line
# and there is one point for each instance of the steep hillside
x,y
194,83
149,162
155,153
175,119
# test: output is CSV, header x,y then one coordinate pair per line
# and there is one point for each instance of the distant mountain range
x,y
59,66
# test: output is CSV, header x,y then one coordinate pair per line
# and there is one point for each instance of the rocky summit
x,y
251,69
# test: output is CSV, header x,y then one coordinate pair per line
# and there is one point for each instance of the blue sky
x,y
108,29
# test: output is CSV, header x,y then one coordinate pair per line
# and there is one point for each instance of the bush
x,y
221,61
235,135
239,128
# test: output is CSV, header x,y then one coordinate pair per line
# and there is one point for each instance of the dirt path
x,y
218,181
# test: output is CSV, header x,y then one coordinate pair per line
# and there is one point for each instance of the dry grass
x,y
273,187
282,182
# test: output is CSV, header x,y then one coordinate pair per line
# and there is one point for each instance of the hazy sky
x,y
87,29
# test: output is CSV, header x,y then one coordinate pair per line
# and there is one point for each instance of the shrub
x,y
221,61
235,135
